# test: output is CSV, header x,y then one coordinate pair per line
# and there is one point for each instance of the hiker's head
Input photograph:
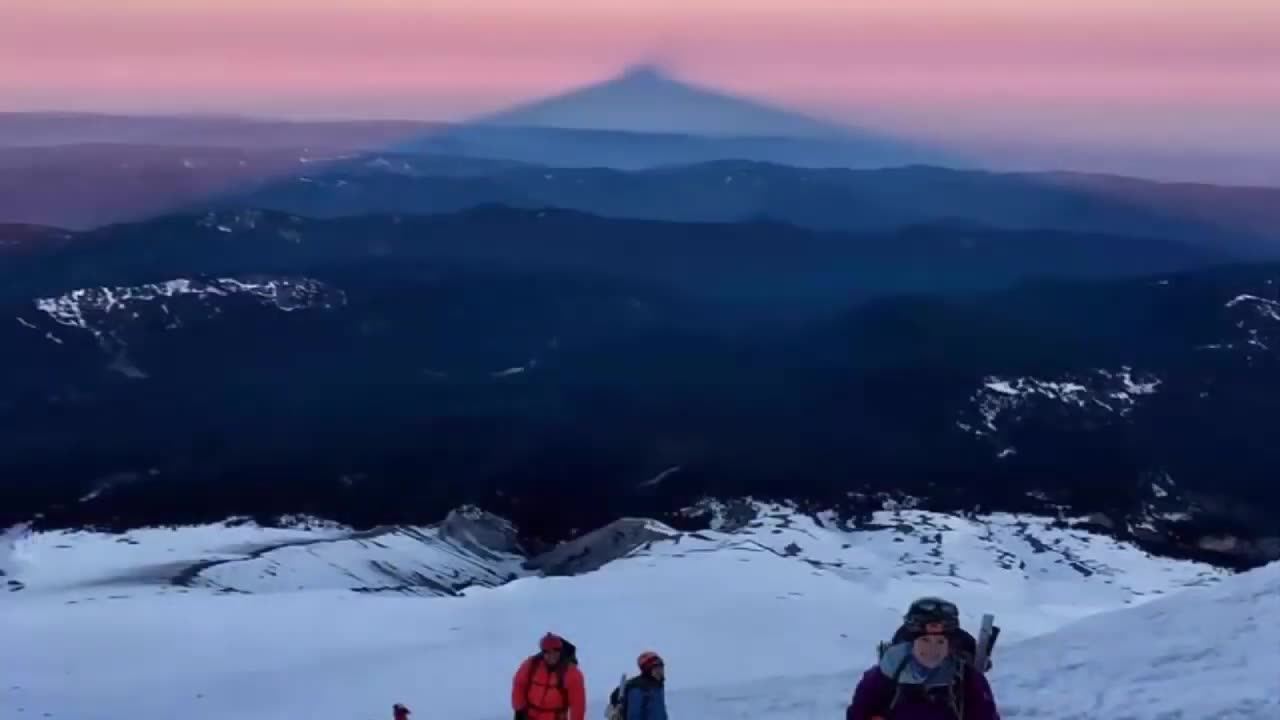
x,y
931,648
399,712
551,645
932,610
651,664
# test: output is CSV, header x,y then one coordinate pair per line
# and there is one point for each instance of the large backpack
x,y
568,651
617,707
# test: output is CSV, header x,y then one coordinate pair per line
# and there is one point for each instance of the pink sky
x,y
1205,72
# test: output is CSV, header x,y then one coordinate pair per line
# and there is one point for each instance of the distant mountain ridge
x,y
855,148
89,186
258,363
754,261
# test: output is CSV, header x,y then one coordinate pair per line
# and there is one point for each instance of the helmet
x,y
928,613
399,710
648,659
550,641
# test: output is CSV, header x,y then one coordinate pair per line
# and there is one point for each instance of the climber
x,y
924,677
641,697
549,685
399,712
964,644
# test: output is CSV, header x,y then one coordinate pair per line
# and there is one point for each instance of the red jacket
x,y
542,697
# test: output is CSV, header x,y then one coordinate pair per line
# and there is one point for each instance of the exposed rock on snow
x,y
238,556
724,515
597,548
9,561
402,559
481,533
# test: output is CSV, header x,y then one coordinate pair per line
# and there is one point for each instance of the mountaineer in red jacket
x,y
549,685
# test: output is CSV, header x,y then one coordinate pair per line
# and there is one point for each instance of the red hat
x,y
550,642
648,659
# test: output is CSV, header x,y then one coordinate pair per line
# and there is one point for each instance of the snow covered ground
x,y
243,557
777,618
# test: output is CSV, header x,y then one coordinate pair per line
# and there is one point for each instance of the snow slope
x,y
1034,575
1004,563
746,621
1201,654
243,557
1209,653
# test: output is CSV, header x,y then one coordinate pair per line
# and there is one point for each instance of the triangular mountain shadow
x,y
645,98
645,117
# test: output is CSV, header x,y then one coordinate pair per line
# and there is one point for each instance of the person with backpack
x,y
642,697
926,675
549,685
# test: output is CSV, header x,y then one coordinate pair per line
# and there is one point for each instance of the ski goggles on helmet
x,y
933,615
934,607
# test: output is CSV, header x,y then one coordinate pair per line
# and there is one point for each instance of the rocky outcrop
x,y
481,533
9,558
9,549
1261,550
727,515
599,547
400,559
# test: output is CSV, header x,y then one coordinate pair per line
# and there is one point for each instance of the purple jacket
x,y
876,690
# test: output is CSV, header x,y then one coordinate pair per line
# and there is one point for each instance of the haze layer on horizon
x,y
1138,74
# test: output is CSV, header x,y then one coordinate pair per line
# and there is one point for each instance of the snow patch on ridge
x,y
98,309
1003,402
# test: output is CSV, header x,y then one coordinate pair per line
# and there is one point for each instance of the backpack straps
x,y
897,686
558,671
528,679
955,690
561,669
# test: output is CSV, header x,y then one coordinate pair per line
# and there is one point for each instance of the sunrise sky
x,y
1205,72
